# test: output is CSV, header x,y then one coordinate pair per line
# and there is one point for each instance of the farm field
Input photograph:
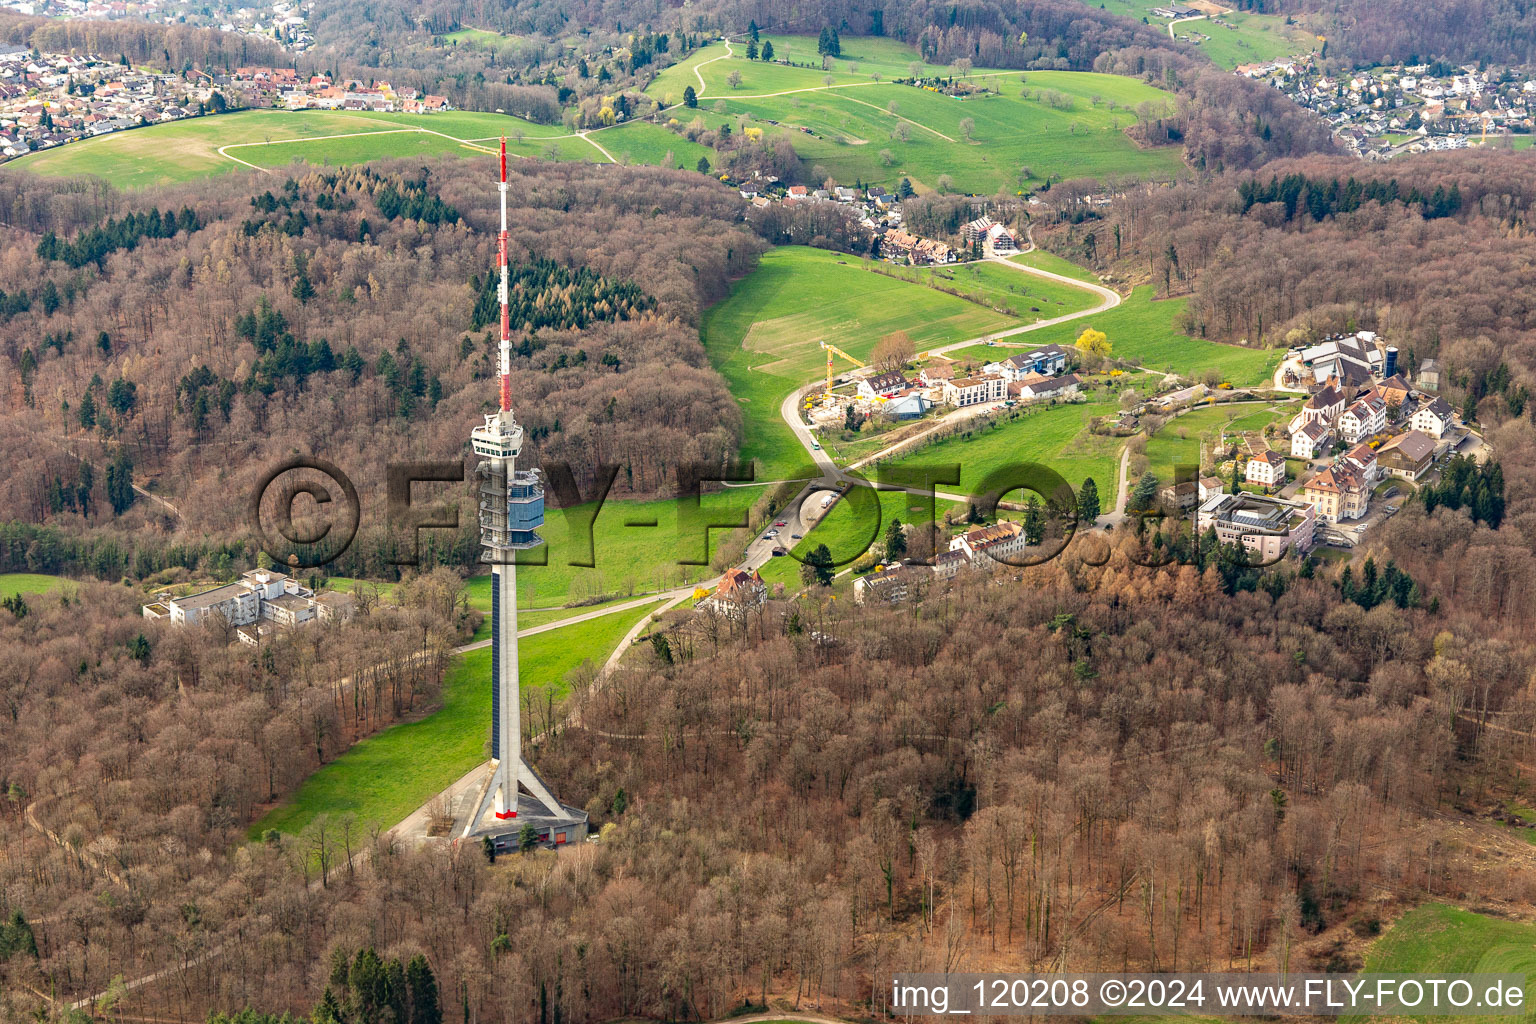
x,y
272,139
385,777
763,337
1439,939
1251,39
1142,331
1056,436
1050,122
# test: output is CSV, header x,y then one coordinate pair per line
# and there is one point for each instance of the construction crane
x,y
830,350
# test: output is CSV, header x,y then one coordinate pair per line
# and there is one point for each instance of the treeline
x,y
172,47
544,294
1014,766
95,244
1427,251
1464,483
1296,193
1367,32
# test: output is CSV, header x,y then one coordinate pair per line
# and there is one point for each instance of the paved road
x,y
831,475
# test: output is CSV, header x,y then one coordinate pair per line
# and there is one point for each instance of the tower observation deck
x,y
510,505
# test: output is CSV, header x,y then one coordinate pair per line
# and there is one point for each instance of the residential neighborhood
x,y
1390,110
49,99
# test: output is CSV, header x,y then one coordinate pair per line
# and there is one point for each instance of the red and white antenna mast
x,y
501,292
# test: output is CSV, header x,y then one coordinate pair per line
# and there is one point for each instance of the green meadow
x,y
13,583
382,779
634,547
853,123
1042,259
1436,939
1232,39
1178,442
1055,436
1143,331
988,283
274,139
763,337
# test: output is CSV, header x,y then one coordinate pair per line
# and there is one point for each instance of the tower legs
x,y
501,795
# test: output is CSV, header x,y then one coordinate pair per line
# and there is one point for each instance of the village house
x,y
1266,468
1049,387
1395,391
1000,241
1407,456
1362,458
947,564
1429,375
1266,526
1000,541
894,584
1046,361
881,384
988,387
1366,416
1433,418
1323,407
738,593
1337,493
1310,440
1182,496
935,375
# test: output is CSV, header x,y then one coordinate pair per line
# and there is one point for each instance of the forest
x,y
1111,766
349,312
1429,251
1367,32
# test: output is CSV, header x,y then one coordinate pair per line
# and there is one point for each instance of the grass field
x,y
1057,437
855,134
13,583
385,777
626,558
1436,939
1143,331
1040,259
851,526
987,283
273,139
1234,38
1178,442
763,337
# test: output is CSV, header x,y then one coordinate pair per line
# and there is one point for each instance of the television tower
x,y
511,503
